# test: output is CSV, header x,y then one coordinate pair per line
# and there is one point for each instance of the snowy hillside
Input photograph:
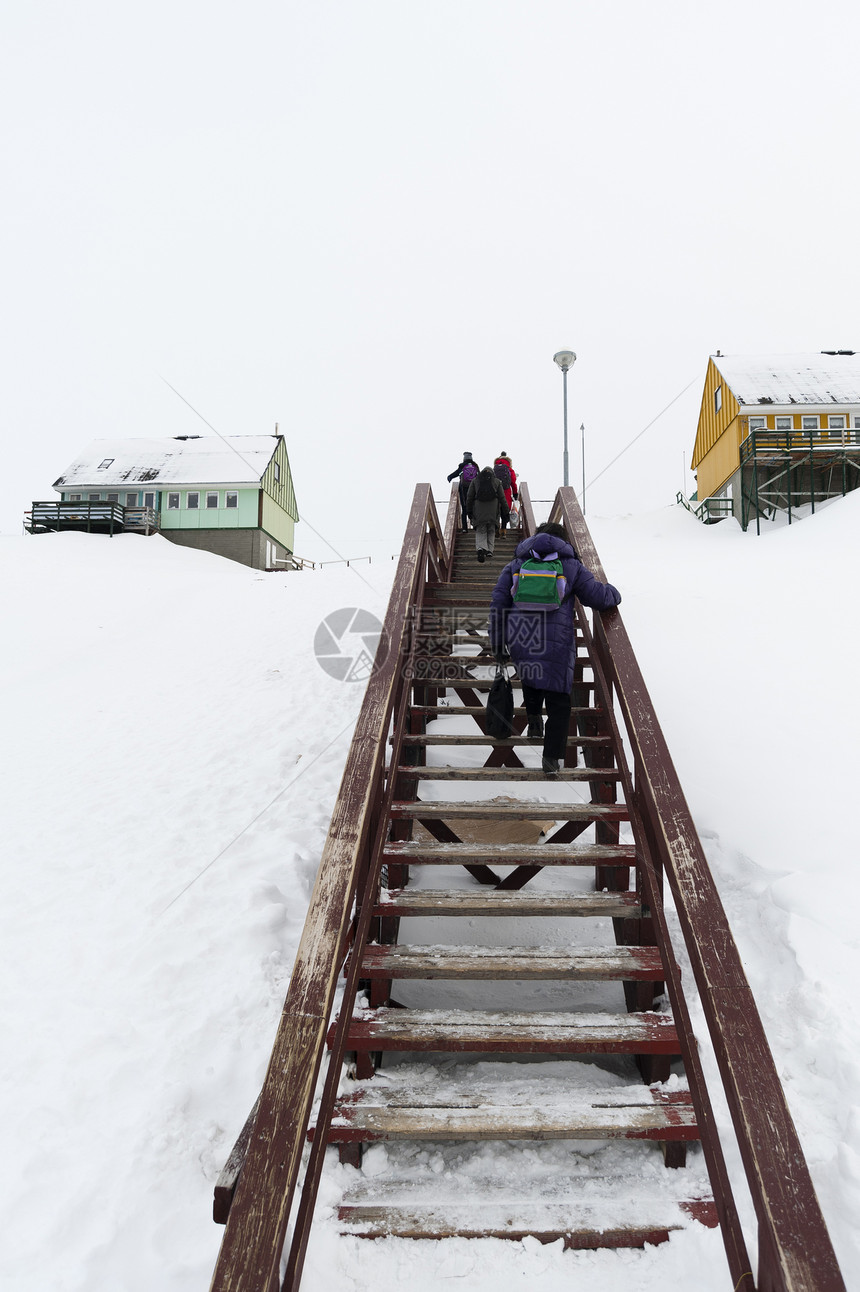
x,y
172,753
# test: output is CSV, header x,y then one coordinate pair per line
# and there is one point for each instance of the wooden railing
x,y
794,1249
257,1220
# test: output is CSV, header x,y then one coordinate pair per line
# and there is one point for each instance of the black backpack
x,y
502,472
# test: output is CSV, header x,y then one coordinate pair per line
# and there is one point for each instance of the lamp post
x,y
565,359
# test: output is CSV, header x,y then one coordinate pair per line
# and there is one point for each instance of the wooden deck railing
x,y
257,1221
794,1249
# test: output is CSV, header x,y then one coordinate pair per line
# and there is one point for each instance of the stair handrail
x,y
257,1221
795,1250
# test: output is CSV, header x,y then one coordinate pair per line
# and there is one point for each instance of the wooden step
x,y
477,738
479,710
486,1032
508,774
520,903
490,810
378,1112
581,1228
484,683
519,964
509,854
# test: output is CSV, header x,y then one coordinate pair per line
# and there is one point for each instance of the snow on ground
x,y
172,752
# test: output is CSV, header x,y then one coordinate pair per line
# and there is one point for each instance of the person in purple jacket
x,y
541,640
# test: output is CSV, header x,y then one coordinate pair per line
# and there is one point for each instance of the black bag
x,y
500,707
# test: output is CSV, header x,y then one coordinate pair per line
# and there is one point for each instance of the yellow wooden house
x,y
777,432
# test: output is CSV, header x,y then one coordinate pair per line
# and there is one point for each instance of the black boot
x,y
550,766
535,731
481,555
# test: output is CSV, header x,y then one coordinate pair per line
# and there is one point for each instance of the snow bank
x,y
172,754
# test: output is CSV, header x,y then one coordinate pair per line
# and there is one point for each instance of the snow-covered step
x,y
525,810
380,1112
484,1032
457,738
509,854
508,773
515,963
522,903
584,1214
484,683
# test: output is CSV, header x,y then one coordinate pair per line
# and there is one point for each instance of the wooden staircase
x,y
512,1032
421,934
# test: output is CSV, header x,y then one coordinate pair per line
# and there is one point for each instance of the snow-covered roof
x,y
791,378
203,460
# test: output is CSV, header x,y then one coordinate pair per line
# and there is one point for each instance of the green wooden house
x,y
232,495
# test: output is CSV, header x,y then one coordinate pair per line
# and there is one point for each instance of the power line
x,y
642,432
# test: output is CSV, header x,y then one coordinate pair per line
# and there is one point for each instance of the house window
x,y
758,423
105,463
277,466
94,497
232,500
131,500
837,423
74,497
718,399
211,500
192,502
113,497
173,502
784,423
809,423
149,500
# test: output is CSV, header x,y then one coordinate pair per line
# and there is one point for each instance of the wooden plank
x,y
431,902
484,684
367,1118
475,711
454,739
225,1185
517,963
548,1224
424,773
510,854
478,1032
488,810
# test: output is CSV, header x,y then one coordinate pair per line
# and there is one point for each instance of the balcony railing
x,y
761,441
91,517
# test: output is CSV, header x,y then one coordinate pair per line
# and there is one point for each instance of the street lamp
x,y
565,359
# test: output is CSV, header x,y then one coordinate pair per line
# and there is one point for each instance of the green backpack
x,y
539,583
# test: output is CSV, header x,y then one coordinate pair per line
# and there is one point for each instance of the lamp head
x,y
565,359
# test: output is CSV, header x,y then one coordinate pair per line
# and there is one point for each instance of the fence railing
x,y
709,510
795,1252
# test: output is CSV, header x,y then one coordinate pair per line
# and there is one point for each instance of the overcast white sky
x,y
374,221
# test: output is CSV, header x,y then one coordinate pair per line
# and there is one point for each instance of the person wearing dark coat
x,y
486,508
464,484
542,640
